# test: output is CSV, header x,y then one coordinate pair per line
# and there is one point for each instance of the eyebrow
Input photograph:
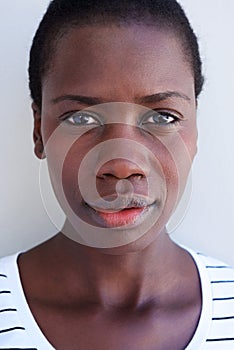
x,y
161,96
90,101
87,100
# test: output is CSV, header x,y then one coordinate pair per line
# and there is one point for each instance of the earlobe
x,y
37,136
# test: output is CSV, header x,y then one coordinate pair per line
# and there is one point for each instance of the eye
x,y
160,118
82,118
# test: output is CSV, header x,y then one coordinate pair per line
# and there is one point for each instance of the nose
x,y
121,169
126,153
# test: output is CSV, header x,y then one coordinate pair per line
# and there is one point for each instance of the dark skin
x,y
146,294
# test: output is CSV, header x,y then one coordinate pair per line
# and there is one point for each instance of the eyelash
x,y
67,116
159,113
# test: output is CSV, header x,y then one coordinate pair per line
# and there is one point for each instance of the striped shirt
x,y
19,330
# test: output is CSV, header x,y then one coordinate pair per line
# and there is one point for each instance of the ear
x,y
37,137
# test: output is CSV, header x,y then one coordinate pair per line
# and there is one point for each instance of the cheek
x,y
177,162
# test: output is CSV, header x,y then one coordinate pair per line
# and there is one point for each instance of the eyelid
x,y
100,120
176,115
67,115
170,111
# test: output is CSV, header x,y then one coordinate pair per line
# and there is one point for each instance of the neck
x,y
116,278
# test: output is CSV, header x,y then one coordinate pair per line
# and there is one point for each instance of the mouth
x,y
128,217
123,217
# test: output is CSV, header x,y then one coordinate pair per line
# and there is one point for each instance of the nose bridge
x,y
123,130
121,112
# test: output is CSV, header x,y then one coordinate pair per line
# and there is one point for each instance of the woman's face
x,y
118,124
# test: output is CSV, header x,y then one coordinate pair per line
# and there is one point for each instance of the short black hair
x,y
62,15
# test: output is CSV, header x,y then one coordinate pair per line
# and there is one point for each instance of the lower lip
x,y
123,217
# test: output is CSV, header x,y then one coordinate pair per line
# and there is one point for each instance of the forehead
x,y
116,60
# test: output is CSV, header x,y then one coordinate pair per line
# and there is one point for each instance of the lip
x,y
127,217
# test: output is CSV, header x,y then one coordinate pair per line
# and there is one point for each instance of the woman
x,y
114,88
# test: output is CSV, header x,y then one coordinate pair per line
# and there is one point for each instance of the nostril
x,y
136,176
121,169
107,175
104,176
132,176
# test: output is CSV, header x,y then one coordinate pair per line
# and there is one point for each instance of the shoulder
x,y
10,325
217,282
6,265
217,273
9,281
8,274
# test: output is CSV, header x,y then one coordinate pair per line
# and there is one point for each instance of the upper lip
x,y
115,204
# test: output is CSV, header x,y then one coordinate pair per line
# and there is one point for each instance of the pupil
x,y
163,119
80,119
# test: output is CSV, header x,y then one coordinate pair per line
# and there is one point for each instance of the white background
x,y
209,223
